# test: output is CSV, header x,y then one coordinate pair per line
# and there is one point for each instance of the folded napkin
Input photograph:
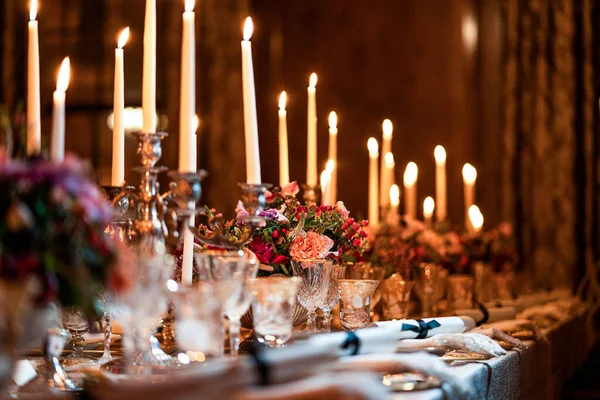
x,y
343,385
427,327
485,315
397,363
364,341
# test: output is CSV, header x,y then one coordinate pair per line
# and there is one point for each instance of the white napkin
x,y
447,325
494,314
371,340
466,342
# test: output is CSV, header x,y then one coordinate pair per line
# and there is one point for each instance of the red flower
x,y
262,249
275,234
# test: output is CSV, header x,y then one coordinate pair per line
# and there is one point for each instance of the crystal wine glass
x,y
332,296
355,302
106,330
273,308
229,272
315,281
75,322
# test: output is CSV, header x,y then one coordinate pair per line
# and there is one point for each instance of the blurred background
x,y
508,86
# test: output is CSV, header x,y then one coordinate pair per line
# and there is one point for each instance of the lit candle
x,y
284,161
333,131
118,143
428,207
33,84
311,145
394,202
149,69
187,99
389,164
57,145
194,141
386,147
476,219
250,121
325,180
411,173
469,177
373,147
440,182
330,168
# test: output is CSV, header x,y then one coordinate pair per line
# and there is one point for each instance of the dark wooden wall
x,y
400,59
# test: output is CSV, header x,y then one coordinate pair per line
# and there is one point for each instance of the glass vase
x,y
315,277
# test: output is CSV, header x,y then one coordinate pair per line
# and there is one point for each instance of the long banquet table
x,y
538,372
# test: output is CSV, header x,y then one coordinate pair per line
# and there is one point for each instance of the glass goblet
x,y
315,281
365,270
229,271
331,297
430,286
75,322
460,291
355,302
395,296
106,330
273,305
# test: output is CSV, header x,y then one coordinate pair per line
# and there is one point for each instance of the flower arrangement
x,y
52,222
298,231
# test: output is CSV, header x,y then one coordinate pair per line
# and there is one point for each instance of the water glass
x,y
75,322
273,305
315,281
331,297
199,325
355,302
430,286
395,297
365,270
460,291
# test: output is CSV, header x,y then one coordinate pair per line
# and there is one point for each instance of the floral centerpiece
x,y
52,221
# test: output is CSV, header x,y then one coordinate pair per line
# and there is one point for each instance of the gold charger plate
x,y
411,382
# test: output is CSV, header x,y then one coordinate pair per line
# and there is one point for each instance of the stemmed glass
x,y
106,330
315,282
355,302
77,325
229,272
273,304
430,287
332,296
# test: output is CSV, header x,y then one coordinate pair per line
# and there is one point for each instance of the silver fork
x,y
159,355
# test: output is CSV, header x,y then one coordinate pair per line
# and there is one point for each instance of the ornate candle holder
x,y
311,194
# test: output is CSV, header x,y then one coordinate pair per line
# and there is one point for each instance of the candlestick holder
x,y
311,193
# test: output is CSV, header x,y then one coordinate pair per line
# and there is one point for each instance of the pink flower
x,y
291,189
241,212
342,209
310,246
262,250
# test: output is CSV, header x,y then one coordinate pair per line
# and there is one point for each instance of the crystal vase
x,y
315,276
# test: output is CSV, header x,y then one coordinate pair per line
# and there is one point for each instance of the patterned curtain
x,y
549,154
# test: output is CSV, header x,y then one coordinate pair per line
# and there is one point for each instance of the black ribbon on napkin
x,y
423,329
486,314
352,342
262,367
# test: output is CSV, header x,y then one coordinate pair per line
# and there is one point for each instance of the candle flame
x,y
394,195
312,82
373,146
428,206
389,160
64,74
189,5
33,7
324,178
469,174
282,100
330,166
195,123
476,218
123,37
248,28
388,128
411,173
440,154
332,120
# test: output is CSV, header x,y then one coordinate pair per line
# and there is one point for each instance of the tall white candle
x,y
57,144
284,161
187,99
440,182
469,177
118,143
333,132
476,219
149,69
386,147
34,141
311,145
388,164
411,174
330,168
325,186
373,148
187,263
250,121
428,207
394,203
194,141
